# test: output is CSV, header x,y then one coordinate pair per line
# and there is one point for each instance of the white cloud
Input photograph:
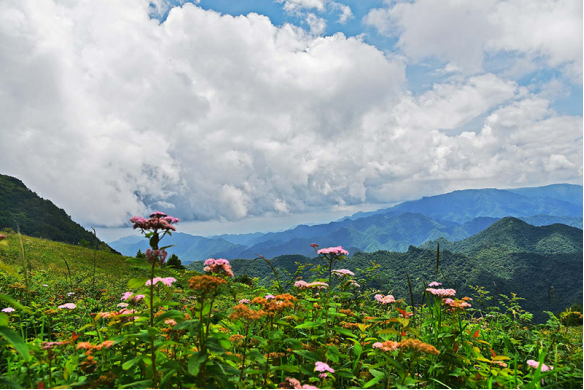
x,y
108,113
462,32
345,12
297,5
317,25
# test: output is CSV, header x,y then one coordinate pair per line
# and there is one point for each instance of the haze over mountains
x,y
453,217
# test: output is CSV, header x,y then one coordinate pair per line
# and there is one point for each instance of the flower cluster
x,y
206,283
442,292
156,256
456,304
128,294
89,347
343,272
301,284
418,346
276,304
291,383
167,281
218,266
334,251
534,364
322,367
52,344
384,300
7,310
435,284
243,312
245,301
386,346
157,221
68,306
354,283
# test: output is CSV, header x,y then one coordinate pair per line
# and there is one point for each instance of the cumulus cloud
x,y
463,32
110,113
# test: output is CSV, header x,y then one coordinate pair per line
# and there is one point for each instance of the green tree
x,y
174,262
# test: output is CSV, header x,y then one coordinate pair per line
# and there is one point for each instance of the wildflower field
x,y
140,324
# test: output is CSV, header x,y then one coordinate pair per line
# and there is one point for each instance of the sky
x,y
242,116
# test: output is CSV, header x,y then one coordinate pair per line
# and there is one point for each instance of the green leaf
x,y
309,325
190,324
3,319
137,283
333,353
195,363
14,304
308,355
287,368
343,331
131,363
15,340
213,344
389,331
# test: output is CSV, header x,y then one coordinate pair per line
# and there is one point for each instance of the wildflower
x,y
404,313
67,306
434,284
442,292
128,294
342,272
301,284
45,285
205,283
291,383
158,221
455,304
317,285
156,256
386,346
84,345
218,266
170,322
245,301
52,344
236,339
418,346
354,283
534,364
384,300
334,251
314,245
70,293
167,281
8,310
275,305
157,214
323,375
122,305
243,312
269,296
322,367
107,344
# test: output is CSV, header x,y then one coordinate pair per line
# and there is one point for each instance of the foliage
x,y
209,331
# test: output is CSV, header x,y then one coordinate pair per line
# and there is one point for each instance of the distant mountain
x,y
509,256
542,220
187,247
513,235
241,239
570,193
37,217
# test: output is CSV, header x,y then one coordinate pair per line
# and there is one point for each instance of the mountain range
x,y
541,264
453,217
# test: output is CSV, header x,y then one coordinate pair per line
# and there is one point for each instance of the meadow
x,y
75,317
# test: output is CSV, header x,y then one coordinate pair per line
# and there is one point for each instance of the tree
x,y
174,262
140,255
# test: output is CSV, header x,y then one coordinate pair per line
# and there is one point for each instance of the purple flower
x,y
335,251
157,214
8,310
434,284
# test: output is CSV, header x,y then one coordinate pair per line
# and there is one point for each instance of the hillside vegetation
x,y
37,217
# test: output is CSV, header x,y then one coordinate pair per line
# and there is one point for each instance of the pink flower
x,y
157,214
157,256
269,296
442,292
167,281
342,272
318,285
354,283
309,387
68,306
245,301
8,310
384,300
70,293
435,284
218,266
301,284
314,245
322,367
323,375
122,305
333,251
533,364
3,237
128,294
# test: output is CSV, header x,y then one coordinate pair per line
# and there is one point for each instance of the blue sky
x,y
272,119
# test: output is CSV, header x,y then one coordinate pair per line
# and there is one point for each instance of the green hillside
x,y
37,217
